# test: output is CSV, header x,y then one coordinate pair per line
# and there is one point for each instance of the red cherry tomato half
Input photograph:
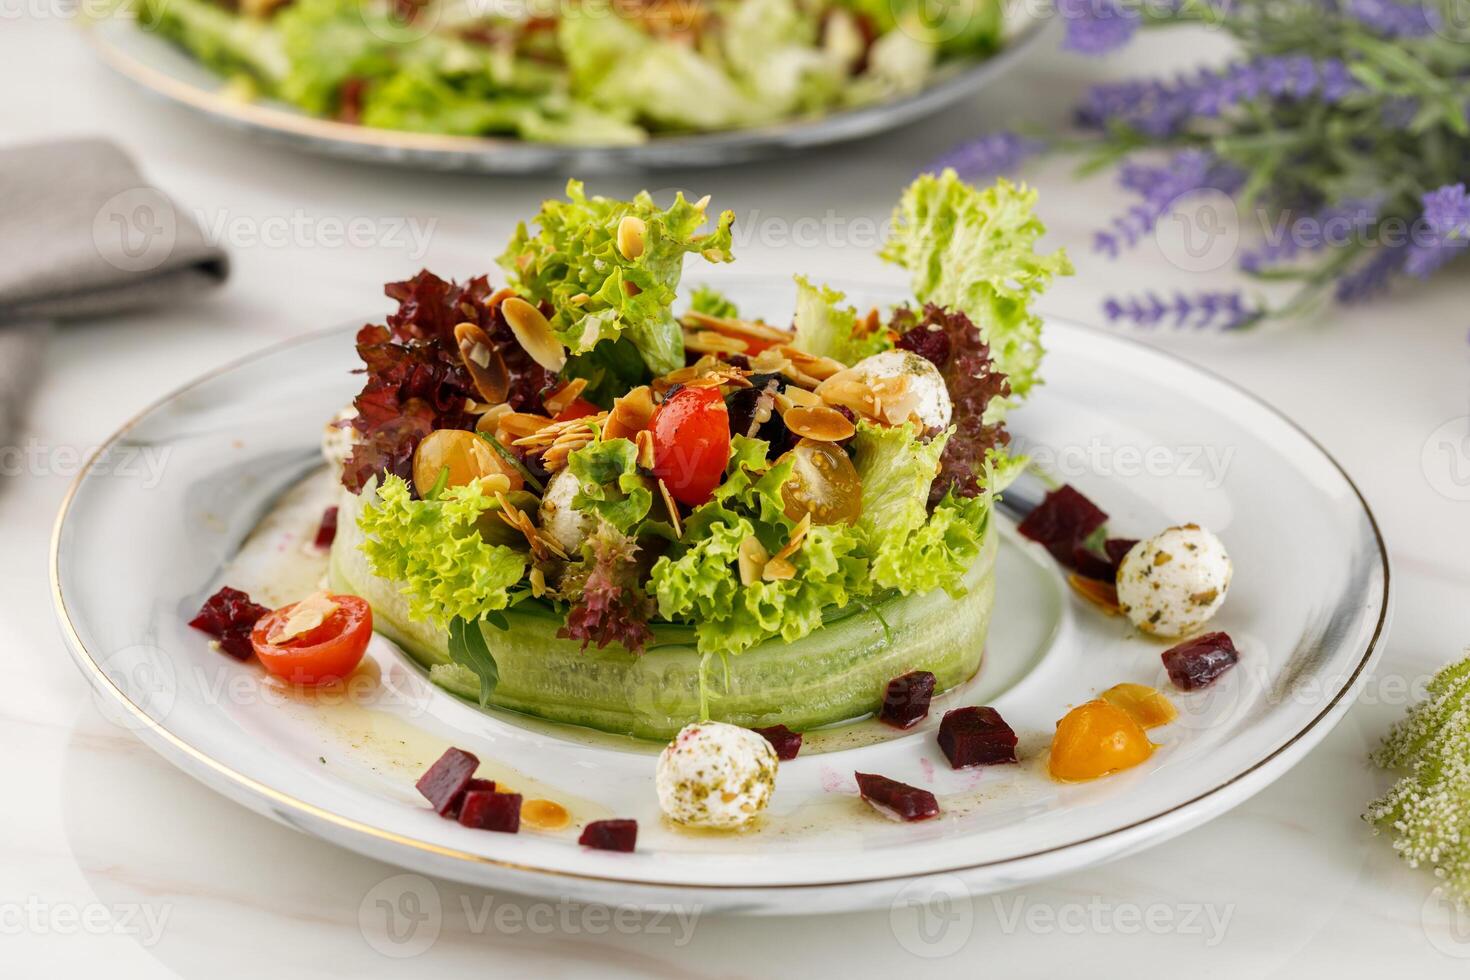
x,y
578,408
326,653
691,443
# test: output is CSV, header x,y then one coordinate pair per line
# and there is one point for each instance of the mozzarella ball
x,y
715,775
1172,583
564,524
338,439
926,393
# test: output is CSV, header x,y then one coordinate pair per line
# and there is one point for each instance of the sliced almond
x,y
712,342
517,425
898,400
538,581
630,414
644,441
819,422
558,400
483,361
779,570
499,296
798,535
752,559
732,327
849,390
672,507
820,368
794,396
305,616
490,418
533,333
631,232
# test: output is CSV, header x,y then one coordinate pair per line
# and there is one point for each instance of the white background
x,y
97,835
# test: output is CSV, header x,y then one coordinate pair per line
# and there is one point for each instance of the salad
x,y
586,72
566,498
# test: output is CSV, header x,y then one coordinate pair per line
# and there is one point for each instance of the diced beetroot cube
x,y
229,616
1199,662
612,835
975,736
327,532
489,810
786,742
1116,548
1062,521
895,800
1089,564
446,780
906,700
485,785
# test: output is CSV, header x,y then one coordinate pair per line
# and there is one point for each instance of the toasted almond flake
x,y
798,535
631,232
820,368
305,616
751,559
499,296
542,547
581,299
711,342
538,581
793,397
779,570
819,422
490,417
630,414
672,508
519,424
644,441
483,362
557,402
733,327
552,433
848,390
533,333
1103,595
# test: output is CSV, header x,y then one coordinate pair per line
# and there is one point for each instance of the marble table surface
x,y
112,862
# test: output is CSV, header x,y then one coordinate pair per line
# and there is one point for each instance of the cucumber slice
x,y
834,674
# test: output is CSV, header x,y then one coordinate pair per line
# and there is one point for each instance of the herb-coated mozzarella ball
x,y
1172,583
338,438
564,524
715,775
931,403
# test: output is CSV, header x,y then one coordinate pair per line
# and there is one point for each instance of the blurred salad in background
x,y
593,72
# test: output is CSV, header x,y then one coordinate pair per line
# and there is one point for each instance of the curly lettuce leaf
x,y
227,43
433,548
773,49
957,27
896,468
975,251
711,302
826,329
596,292
611,486
699,579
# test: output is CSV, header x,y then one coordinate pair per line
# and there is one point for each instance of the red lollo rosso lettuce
x,y
416,380
609,603
953,344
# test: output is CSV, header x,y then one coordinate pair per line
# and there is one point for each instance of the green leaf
x,y
826,329
975,251
467,647
610,485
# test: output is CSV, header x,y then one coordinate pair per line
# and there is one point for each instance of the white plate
x,y
164,69
1153,440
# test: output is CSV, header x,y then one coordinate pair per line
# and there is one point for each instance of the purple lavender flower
x,y
1097,26
1216,310
1371,277
989,156
1394,20
1337,225
1160,108
1187,172
1447,232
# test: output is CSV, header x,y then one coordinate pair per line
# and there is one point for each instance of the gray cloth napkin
x,y
82,234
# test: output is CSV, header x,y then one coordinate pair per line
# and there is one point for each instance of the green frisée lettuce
x,y
598,294
974,251
711,302
896,468
825,328
435,550
611,486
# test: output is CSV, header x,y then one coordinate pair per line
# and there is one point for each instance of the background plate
x,y
1153,440
164,69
